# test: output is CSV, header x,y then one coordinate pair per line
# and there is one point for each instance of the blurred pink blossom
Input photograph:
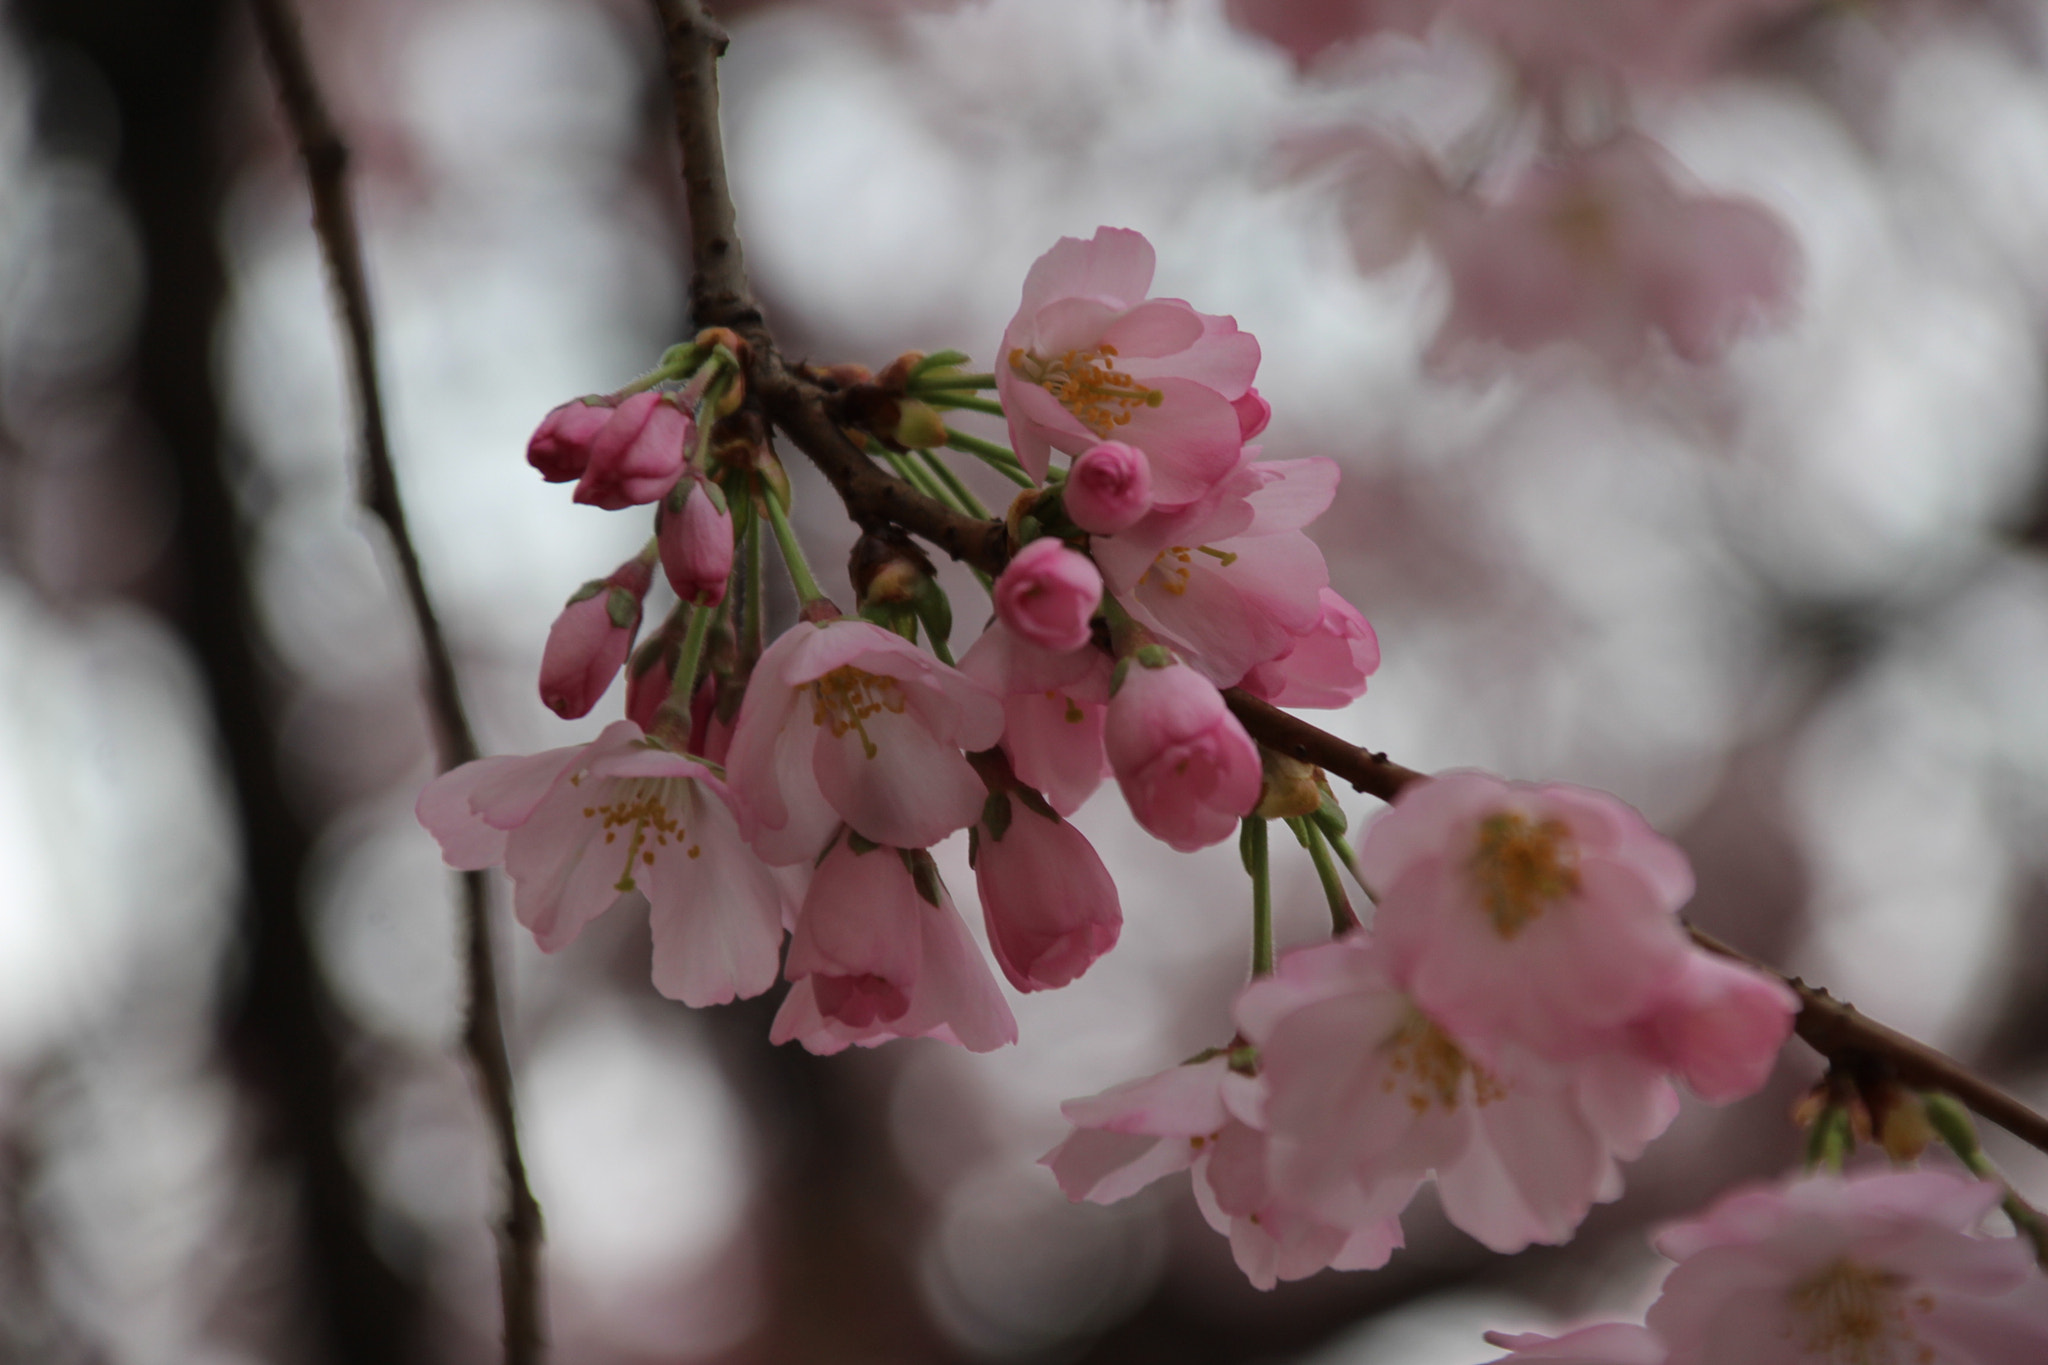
x,y
1088,356
846,721
1048,594
1601,248
580,828
1878,1266
879,952
1185,764
1328,666
1605,1343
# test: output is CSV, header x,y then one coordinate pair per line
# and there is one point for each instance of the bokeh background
x,y
1794,606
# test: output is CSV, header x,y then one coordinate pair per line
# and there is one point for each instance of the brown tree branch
x,y
326,158
722,297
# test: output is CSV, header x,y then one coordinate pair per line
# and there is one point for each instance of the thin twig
x,y
722,297
483,1035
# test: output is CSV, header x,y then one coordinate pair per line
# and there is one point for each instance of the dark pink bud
x,y
1109,488
589,641
1253,412
560,447
639,454
1048,594
696,540
1050,904
1186,766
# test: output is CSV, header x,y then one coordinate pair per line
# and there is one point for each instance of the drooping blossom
x,y
879,952
638,454
1546,914
1054,705
1187,769
1050,905
1367,1093
1883,1266
695,539
1601,248
560,446
1089,357
589,641
1048,594
846,721
1604,1343
1327,666
1718,1027
1231,581
580,828
1108,488
1201,1117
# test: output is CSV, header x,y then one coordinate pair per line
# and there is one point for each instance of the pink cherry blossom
x,y
1718,1027
1200,1117
1367,1094
589,641
879,952
1230,581
1603,249
1546,914
1108,488
846,721
695,539
1881,1266
578,829
1253,413
639,453
1054,706
1048,594
1049,904
1327,666
1187,769
1605,1343
1088,356
560,447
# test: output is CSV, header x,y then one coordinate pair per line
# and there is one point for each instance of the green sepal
x,y
1037,804
935,609
893,616
1154,656
859,843
623,608
830,844
924,873
939,360
995,813
1244,1060
586,592
1330,815
1117,676
973,846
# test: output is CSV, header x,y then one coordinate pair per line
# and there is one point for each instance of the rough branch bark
x,y
722,297
326,157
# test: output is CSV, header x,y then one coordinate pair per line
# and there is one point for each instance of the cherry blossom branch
x,y
804,410
483,1036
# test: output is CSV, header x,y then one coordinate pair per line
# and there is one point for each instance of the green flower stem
x,y
963,497
999,458
913,474
807,589
1258,862
675,708
751,623
1829,1142
961,400
1343,918
1342,847
939,382
1952,1122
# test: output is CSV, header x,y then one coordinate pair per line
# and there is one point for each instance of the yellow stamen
x,y
1087,385
845,698
1854,1314
1522,868
1424,1058
643,809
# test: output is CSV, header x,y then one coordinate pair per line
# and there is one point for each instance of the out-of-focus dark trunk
x,y
164,64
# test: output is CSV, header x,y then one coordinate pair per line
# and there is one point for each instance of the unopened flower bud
x,y
589,641
1289,788
560,447
1185,764
1905,1130
919,425
638,455
1048,595
696,540
887,569
1109,488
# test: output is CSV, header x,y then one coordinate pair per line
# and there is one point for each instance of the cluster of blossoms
x,y
1510,1024
1513,1021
